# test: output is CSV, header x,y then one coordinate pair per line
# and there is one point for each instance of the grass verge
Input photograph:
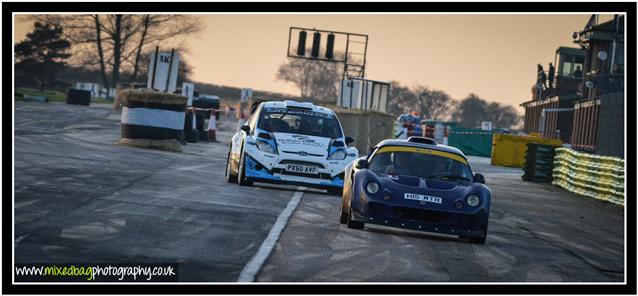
x,y
54,96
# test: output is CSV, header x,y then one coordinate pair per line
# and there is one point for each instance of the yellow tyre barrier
x,y
599,177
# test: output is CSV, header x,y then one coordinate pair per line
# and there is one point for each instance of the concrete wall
x,y
367,128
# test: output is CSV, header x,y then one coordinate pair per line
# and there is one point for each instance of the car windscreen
x,y
299,121
423,163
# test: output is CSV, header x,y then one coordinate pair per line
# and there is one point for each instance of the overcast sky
x,y
494,56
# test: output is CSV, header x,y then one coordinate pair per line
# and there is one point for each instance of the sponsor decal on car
x,y
297,140
298,112
422,197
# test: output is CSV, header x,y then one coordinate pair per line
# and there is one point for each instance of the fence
x,y
471,141
585,125
599,177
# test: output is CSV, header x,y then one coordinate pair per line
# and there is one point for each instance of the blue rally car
x,y
416,184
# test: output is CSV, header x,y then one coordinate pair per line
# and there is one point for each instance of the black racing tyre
x,y
335,191
230,176
241,172
353,224
476,240
192,136
343,214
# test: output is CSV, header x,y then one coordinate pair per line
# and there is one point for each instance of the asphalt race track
x,y
81,198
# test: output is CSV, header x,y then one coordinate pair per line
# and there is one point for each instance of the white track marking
x,y
254,265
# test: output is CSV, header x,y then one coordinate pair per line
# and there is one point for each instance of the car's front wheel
x,y
241,172
230,176
477,240
343,214
353,224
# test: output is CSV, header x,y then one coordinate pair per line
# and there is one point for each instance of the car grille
x,y
294,152
422,215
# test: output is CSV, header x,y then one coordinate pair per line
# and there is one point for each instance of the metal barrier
x,y
599,177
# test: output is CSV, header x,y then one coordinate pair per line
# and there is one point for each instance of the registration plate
x,y
299,168
422,197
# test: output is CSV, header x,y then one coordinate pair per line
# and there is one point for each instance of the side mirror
x,y
479,178
349,140
361,163
245,128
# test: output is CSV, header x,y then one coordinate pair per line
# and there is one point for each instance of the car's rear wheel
x,y
353,224
230,176
241,172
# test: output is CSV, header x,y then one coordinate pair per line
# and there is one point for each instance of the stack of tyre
x,y
201,115
539,163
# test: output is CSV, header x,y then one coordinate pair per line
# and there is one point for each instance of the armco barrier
x,y
509,150
599,177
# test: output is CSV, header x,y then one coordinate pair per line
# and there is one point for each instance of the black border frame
x,y
498,7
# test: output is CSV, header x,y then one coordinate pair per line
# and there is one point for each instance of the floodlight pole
x,y
345,62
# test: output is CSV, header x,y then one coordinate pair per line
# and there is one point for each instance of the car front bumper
x,y
423,219
260,173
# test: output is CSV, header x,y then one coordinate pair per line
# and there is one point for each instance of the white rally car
x,y
292,143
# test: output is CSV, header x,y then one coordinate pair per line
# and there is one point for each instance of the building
x,y
549,112
585,108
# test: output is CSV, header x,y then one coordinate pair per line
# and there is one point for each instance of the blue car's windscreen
x,y
423,165
298,121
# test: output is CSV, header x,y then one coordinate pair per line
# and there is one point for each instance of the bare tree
x,y
98,42
433,104
116,42
503,116
430,103
315,79
140,46
402,99
160,27
472,110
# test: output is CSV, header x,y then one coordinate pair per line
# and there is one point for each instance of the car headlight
x,y
338,155
372,187
266,147
472,200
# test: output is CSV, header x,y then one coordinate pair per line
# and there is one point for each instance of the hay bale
x,y
148,114
171,145
150,96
